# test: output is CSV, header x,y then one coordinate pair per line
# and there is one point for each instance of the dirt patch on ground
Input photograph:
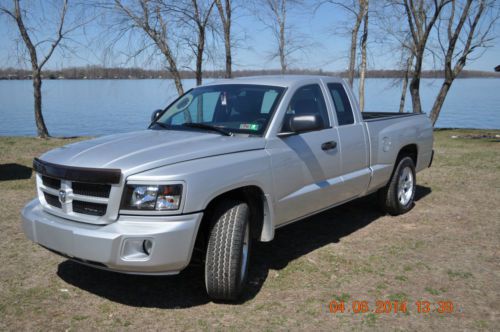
x,y
445,249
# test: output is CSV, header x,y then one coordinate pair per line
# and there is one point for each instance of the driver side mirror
x,y
303,123
297,124
155,115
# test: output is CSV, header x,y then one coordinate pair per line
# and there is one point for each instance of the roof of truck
x,y
275,80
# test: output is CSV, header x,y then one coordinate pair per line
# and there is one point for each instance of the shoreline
x,y
93,136
105,73
222,78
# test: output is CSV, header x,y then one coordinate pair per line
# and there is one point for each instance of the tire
x,y
228,251
397,197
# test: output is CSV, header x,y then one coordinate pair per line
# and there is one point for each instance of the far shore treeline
x,y
98,72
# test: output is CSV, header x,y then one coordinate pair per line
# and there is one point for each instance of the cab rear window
x,y
342,105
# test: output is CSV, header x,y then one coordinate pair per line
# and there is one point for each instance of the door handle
x,y
328,145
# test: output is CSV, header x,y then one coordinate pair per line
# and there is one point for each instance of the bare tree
x,y
152,18
421,16
225,13
463,29
394,37
196,15
362,71
358,9
279,11
276,19
34,48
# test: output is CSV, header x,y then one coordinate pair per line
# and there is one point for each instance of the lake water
x,y
99,107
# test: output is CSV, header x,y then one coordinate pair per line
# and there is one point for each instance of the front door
x,y
305,166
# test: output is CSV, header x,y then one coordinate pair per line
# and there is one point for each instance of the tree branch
x,y
59,35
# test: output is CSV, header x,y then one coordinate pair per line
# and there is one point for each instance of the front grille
x,y
51,182
94,209
52,200
78,193
91,189
84,201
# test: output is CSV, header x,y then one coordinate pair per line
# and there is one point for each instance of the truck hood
x,y
139,151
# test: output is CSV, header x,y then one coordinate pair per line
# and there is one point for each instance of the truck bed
x,y
388,133
375,116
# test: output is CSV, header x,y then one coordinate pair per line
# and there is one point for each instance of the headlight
x,y
149,197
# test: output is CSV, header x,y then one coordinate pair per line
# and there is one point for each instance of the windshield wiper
x,y
207,127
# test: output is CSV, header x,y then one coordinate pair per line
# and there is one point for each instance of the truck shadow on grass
x,y
187,289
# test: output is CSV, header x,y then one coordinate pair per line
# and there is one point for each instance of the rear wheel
x,y
398,196
228,251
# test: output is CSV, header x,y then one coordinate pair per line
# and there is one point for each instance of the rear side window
x,y
341,103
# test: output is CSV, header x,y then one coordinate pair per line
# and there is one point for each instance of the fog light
x,y
147,245
137,249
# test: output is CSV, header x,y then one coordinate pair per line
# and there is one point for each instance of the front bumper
x,y
117,246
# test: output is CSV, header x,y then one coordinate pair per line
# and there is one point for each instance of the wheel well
x,y
409,150
252,195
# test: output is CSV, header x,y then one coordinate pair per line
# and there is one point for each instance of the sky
x,y
323,31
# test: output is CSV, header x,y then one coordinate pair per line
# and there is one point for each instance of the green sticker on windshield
x,y
249,126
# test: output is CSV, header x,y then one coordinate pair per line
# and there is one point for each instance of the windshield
x,y
234,108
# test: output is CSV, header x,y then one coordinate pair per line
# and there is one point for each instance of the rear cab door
x,y
354,145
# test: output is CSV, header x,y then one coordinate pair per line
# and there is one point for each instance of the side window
x,y
341,103
307,100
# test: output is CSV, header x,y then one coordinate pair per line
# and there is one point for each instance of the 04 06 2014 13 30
x,y
391,306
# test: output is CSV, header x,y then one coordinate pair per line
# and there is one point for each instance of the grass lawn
x,y
445,249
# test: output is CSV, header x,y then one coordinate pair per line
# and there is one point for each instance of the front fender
x,y
207,178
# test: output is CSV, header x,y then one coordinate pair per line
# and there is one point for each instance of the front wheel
x,y
228,251
397,197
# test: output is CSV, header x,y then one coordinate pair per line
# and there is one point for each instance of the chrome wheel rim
x,y
405,186
244,251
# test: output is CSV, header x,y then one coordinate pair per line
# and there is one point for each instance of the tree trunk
x,y
282,47
415,94
404,89
172,68
225,17
199,56
352,57
41,128
362,74
415,83
352,54
438,103
172,65
178,81
227,44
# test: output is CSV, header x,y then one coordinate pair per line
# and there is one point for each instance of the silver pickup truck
x,y
225,164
